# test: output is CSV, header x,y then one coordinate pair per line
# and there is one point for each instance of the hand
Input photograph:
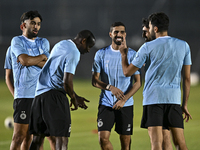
x,y
117,93
186,114
119,104
81,102
44,57
123,47
75,103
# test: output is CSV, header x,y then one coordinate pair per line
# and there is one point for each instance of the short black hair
x,y
160,20
145,22
116,24
90,39
30,15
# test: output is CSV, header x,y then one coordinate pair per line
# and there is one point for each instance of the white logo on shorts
x,y
129,127
70,128
100,123
23,115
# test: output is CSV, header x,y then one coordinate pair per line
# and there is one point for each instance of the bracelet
x,y
108,87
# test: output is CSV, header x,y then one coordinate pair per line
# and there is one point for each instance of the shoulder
x,y
43,40
17,38
130,50
102,50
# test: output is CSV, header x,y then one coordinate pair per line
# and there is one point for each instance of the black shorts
x,y
50,115
123,119
165,115
22,108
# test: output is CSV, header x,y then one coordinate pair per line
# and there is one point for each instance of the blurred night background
x,y
63,19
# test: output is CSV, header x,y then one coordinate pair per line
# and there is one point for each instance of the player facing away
x,y
162,105
50,112
116,98
166,133
28,55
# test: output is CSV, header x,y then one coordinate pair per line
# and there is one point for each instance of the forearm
x,y
10,86
133,90
41,64
27,60
69,90
186,91
124,63
99,84
9,80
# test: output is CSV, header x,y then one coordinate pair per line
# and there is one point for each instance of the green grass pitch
x,y
83,134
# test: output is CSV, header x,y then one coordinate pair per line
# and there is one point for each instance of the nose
x,y
119,34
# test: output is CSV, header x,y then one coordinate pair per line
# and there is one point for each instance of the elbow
x,y
94,83
126,74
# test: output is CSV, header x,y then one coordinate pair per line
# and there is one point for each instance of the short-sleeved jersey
x,y
64,57
166,57
8,61
107,62
25,77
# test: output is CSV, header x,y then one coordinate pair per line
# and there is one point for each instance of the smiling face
x,y
32,27
118,34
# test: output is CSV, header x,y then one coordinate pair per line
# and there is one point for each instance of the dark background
x,y
63,19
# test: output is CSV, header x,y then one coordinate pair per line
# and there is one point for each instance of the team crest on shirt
x,y
23,115
106,63
100,123
41,51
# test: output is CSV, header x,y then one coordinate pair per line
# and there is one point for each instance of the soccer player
x,y
116,98
166,133
162,92
50,112
28,55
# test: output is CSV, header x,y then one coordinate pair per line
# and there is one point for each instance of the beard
x,y
153,35
31,34
147,39
117,42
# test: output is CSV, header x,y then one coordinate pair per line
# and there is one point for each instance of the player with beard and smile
x,y
116,101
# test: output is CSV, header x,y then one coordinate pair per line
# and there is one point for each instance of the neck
x,y
161,34
31,38
75,42
114,46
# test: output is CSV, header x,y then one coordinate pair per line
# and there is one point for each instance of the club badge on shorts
x,y
23,115
100,123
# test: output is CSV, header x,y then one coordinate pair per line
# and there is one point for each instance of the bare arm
x,y
130,93
9,81
75,99
96,82
27,60
128,69
186,91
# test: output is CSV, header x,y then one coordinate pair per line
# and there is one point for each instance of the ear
x,y
110,34
155,29
83,41
22,26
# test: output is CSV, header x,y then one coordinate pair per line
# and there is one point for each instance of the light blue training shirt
x,y
167,55
25,78
64,57
107,62
8,61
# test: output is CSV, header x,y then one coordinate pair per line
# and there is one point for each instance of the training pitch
x,y
84,134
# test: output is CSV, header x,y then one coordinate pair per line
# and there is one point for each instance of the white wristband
x,y
108,87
